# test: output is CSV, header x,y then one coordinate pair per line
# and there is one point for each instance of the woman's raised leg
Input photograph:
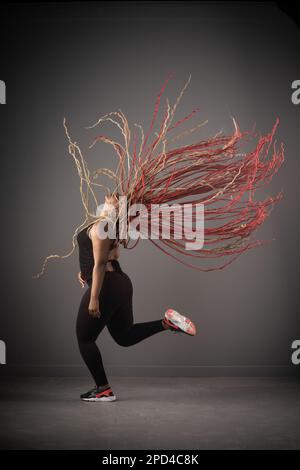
x,y
123,329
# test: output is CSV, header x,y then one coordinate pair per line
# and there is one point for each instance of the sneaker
x,y
179,323
98,395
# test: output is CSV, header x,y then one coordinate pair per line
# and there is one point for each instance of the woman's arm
x,y
101,249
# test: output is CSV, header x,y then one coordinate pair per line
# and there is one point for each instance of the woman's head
x,y
112,201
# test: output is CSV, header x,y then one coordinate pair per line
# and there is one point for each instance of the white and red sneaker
x,y
95,394
179,323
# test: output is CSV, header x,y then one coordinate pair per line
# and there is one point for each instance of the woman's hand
x,y
94,309
82,281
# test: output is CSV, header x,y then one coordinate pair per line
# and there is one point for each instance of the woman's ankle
x,y
102,387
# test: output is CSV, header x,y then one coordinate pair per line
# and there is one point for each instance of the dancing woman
x,y
108,302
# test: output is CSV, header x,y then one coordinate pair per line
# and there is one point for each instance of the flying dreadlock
x,y
211,172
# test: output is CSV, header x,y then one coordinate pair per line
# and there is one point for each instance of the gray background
x,y
82,61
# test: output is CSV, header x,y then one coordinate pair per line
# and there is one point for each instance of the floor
x,y
151,413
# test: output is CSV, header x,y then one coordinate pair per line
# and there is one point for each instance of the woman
x,y
108,302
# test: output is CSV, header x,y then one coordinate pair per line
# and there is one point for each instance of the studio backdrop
x,y
81,61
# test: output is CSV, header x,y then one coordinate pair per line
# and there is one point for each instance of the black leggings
x,y
115,302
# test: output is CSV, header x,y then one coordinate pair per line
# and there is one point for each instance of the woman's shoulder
x,y
92,231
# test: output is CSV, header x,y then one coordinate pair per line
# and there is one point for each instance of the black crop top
x,y
86,257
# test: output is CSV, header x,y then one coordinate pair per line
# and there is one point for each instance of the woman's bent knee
x,y
122,341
